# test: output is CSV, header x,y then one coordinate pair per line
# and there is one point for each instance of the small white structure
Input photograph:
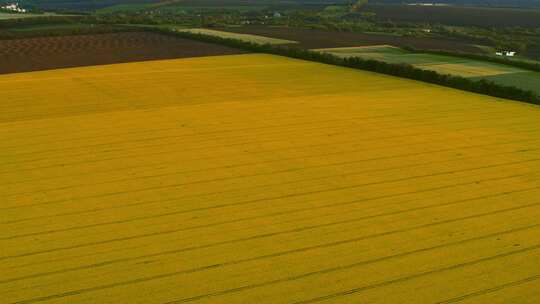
x,y
14,7
506,53
428,4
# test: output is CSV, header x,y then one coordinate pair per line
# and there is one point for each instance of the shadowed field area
x,y
263,179
458,15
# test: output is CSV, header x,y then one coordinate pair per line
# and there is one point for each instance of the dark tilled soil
x,y
457,15
35,54
312,39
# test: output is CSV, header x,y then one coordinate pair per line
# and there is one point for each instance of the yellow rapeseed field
x,y
261,179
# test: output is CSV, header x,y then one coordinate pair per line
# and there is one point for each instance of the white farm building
x,y
14,7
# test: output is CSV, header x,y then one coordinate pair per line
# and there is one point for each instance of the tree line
x,y
400,70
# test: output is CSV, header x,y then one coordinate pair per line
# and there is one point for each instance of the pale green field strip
x,y
244,37
501,74
4,16
263,179
439,63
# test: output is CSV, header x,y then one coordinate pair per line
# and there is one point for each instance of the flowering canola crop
x,y
262,179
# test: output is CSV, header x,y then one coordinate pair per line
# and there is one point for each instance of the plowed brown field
x,y
314,39
261,179
35,54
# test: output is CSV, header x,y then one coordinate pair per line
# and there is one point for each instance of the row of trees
x,y
400,70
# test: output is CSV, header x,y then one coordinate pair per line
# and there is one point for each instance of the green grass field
x,y
243,37
392,55
526,80
503,74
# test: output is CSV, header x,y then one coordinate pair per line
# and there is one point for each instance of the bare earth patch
x,y
44,53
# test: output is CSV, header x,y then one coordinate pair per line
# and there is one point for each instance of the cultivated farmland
x,y
10,16
314,39
440,63
263,179
43,53
525,80
458,15
470,68
5,16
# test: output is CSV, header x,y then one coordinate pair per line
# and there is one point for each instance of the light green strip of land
x,y
243,37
